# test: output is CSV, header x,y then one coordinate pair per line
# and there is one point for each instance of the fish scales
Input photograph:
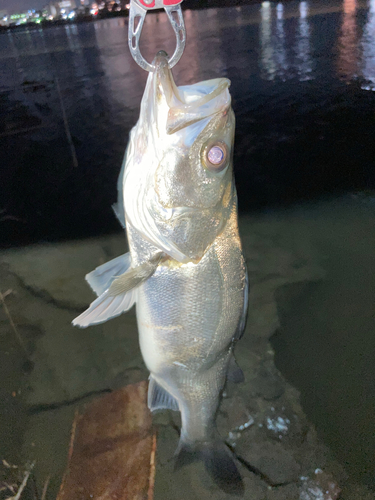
x,y
185,271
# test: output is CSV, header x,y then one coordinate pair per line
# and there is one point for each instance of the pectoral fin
x,y
101,278
119,297
106,307
134,276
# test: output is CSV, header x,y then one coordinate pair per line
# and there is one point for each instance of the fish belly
x,y
187,318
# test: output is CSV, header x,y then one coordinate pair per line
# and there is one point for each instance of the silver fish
x,y
185,269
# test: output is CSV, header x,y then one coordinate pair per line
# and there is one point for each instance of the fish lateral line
x,y
163,328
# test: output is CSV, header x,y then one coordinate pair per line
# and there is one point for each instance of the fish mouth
x,y
188,104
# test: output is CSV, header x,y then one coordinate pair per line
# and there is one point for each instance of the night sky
x,y
21,5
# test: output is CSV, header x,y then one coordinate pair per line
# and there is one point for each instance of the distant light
x,y
62,11
266,11
303,9
349,6
72,14
279,10
127,6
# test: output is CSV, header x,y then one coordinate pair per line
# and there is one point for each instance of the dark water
x,y
325,345
302,76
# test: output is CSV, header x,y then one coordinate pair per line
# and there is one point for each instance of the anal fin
x,y
234,374
159,398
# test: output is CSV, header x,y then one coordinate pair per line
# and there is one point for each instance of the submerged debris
x,y
321,487
14,480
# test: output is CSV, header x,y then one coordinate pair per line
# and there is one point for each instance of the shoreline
x,y
186,5
72,366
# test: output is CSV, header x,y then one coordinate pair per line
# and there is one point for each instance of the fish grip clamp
x,y
137,14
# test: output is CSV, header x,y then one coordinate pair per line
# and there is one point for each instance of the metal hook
x,y
137,14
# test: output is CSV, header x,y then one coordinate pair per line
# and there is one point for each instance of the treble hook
x,y
138,11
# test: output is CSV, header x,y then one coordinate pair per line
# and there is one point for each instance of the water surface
x,y
302,74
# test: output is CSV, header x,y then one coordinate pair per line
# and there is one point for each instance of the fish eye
x,y
215,156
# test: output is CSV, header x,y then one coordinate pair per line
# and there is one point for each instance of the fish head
x,y
183,147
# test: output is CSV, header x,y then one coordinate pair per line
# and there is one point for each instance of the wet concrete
x,y
325,344
279,452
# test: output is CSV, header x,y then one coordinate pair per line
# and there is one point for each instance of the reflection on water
x,y
368,48
267,61
192,70
122,85
306,47
284,40
256,46
76,49
303,56
356,45
285,51
347,64
280,51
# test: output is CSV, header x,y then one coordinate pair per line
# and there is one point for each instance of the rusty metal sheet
x,y
112,449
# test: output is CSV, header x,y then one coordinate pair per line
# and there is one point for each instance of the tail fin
x,y
218,460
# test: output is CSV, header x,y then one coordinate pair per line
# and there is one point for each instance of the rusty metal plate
x,y
112,449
